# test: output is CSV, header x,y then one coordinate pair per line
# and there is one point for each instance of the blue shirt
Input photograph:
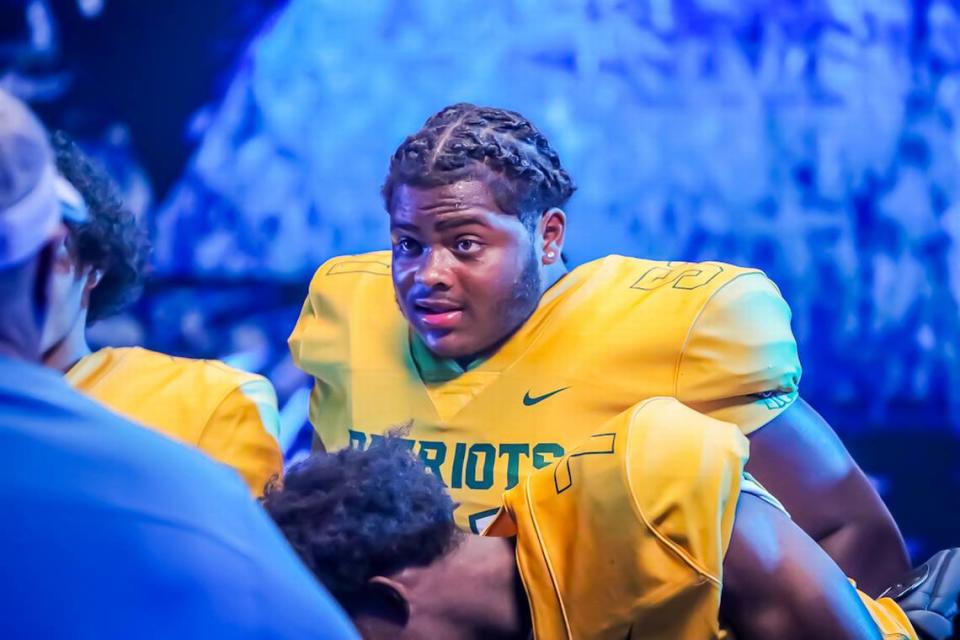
x,y
109,530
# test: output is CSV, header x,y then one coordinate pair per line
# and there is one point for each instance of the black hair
x,y
498,147
111,241
353,515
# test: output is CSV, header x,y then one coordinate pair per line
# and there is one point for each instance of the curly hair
x,y
112,241
353,515
498,147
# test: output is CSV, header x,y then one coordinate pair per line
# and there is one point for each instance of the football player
x,y
229,414
649,529
473,328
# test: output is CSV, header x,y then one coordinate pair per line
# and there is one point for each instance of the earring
x,y
551,255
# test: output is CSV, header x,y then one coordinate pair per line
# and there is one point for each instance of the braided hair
x,y
498,147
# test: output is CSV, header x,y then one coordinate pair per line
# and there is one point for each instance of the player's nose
x,y
435,270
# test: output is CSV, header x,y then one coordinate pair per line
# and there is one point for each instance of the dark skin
x,y
777,584
800,459
467,275
471,593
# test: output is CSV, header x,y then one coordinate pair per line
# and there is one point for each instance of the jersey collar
x,y
434,369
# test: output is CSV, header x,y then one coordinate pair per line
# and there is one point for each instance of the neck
x,y
552,275
489,566
71,348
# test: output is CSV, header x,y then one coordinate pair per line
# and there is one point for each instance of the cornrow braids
x,y
499,147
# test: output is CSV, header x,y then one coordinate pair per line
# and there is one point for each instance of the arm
x,y
740,365
242,433
777,583
799,458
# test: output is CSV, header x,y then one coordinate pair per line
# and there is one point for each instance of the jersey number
x,y
680,277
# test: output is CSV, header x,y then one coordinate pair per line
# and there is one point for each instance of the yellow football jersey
x,y
625,536
609,334
227,413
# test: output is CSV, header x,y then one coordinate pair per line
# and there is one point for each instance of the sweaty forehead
x,y
418,205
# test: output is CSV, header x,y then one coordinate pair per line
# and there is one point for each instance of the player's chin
x,y
447,344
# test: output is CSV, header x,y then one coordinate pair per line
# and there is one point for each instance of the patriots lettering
x,y
474,465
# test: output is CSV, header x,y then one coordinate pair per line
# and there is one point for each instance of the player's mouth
x,y
437,313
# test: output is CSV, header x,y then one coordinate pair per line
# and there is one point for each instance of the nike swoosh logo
x,y
529,401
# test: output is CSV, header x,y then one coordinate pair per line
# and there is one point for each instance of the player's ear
x,y
550,234
91,278
94,276
388,600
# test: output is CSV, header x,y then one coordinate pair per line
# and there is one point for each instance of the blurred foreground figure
x,y
110,530
229,414
618,539
473,329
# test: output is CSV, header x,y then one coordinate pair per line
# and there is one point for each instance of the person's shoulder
x,y
349,284
82,433
208,373
361,266
61,452
644,275
150,455
35,393
348,295
660,300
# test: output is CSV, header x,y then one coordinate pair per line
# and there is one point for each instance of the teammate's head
x,y
475,201
30,225
99,264
378,532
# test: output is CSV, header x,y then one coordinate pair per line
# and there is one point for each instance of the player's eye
x,y
407,246
467,245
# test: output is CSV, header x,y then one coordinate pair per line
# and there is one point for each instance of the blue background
x,y
817,140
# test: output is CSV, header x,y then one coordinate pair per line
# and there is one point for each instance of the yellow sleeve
x,y
685,472
739,362
624,537
314,335
321,338
242,433
320,341
311,329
